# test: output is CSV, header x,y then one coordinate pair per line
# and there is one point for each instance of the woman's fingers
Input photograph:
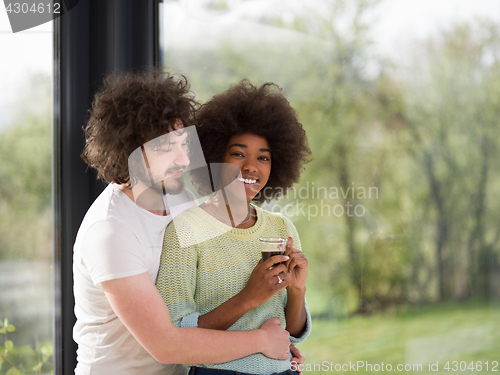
x,y
297,259
280,268
280,283
289,246
274,260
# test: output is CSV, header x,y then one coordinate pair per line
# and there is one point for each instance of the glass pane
x,y
26,302
397,214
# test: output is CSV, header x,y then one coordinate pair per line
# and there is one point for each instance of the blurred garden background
x,y
398,214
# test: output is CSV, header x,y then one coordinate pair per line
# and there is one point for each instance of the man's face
x,y
165,157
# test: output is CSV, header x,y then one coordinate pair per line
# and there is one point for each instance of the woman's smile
x,y
252,155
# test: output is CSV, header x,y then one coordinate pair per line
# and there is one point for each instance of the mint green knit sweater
x,y
205,262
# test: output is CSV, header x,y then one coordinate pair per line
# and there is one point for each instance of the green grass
x,y
460,331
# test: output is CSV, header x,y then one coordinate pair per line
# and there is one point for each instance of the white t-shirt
x,y
116,239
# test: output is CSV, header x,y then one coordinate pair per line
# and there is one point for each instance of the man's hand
x,y
279,339
297,360
264,283
297,267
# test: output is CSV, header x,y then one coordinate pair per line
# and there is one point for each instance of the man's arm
x,y
140,307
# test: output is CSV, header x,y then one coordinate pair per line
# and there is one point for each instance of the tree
x,y
25,177
453,122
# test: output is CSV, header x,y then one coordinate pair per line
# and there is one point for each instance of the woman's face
x,y
252,155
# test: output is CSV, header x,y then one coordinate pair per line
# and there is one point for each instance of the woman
x,y
211,275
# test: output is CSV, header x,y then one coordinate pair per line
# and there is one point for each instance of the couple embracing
x,y
216,305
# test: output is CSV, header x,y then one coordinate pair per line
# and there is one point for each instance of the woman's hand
x,y
264,281
298,360
297,267
261,287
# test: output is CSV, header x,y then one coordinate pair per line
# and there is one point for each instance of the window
x,y
26,290
398,212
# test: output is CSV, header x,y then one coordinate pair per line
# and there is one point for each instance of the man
x,y
138,123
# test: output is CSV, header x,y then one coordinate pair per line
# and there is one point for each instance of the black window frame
x,y
92,38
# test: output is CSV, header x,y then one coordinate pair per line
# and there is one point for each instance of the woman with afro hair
x,y
211,273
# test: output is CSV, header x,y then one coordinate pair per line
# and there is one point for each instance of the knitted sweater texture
x,y
205,262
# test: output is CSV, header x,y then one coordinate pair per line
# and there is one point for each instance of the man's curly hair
x,y
130,110
262,111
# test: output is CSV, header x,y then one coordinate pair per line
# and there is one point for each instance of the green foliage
x,y
24,359
25,216
425,138
13,371
25,179
452,119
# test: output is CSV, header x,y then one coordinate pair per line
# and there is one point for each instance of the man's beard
x,y
167,185
171,186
